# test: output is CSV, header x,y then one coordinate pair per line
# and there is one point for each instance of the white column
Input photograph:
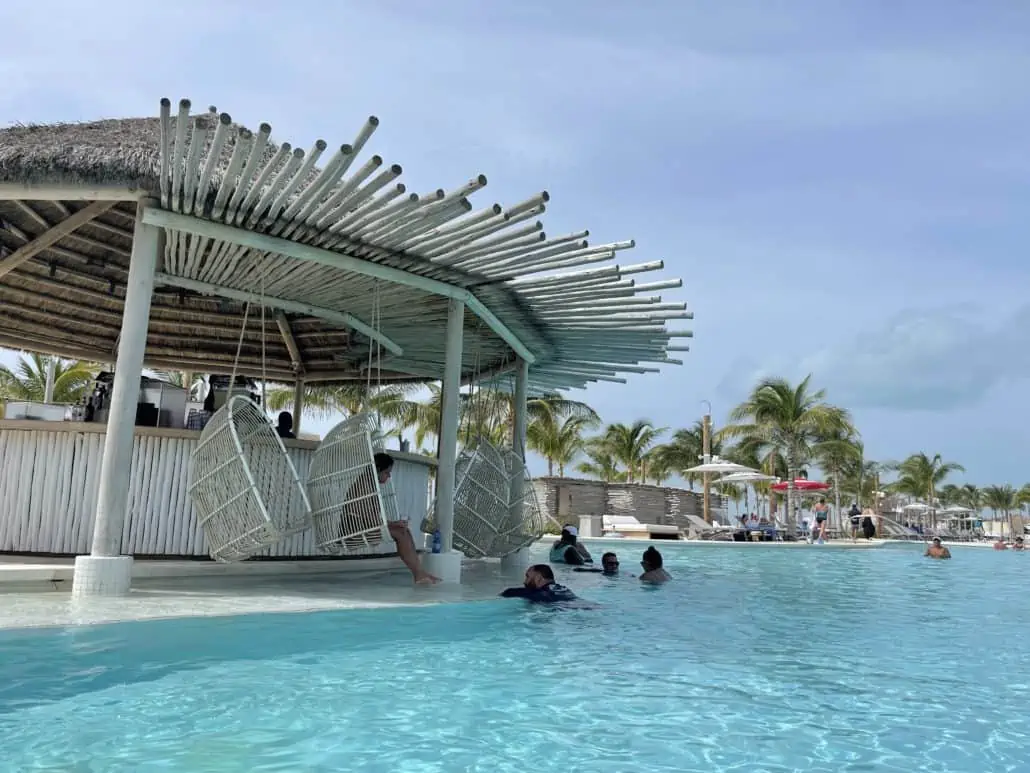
x,y
298,404
104,572
51,374
519,560
447,563
521,399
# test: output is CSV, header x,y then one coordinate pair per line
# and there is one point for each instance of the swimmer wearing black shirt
x,y
540,587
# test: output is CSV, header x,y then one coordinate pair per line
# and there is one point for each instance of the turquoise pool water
x,y
753,660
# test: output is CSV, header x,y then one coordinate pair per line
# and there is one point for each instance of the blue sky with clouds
x,y
842,186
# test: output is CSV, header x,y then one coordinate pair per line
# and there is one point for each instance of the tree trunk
x,y
836,499
550,467
791,474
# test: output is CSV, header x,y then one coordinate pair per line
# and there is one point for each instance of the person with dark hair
x,y
362,496
652,565
609,565
868,527
539,586
856,519
285,426
568,550
937,550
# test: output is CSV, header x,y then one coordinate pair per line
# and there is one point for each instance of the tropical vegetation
x,y
786,430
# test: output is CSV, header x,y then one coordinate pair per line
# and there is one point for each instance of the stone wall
x,y
648,504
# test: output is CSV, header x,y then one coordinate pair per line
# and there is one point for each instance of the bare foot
x,y
425,578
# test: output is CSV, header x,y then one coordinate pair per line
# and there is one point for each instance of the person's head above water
x,y
609,563
286,420
384,466
539,576
652,559
569,534
937,541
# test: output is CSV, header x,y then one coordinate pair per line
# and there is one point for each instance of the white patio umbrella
x,y
717,466
746,477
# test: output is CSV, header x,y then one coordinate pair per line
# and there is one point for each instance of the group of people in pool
x,y
539,584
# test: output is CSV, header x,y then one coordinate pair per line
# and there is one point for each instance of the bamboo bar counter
x,y
50,472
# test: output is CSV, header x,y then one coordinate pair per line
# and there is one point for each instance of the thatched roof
x,y
68,297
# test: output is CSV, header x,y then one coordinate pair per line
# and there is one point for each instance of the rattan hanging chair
x,y
244,485
350,507
496,511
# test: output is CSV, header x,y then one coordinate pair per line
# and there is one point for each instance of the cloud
x,y
933,359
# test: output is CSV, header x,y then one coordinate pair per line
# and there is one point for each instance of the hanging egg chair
x,y
495,507
244,485
350,507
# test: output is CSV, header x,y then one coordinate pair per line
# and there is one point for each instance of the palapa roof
x,y
359,267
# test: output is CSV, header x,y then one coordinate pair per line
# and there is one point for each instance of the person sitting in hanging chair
x,y
362,494
284,428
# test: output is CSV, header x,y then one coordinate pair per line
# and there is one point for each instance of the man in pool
x,y
362,495
652,565
609,566
937,550
539,587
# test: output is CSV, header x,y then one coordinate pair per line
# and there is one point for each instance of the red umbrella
x,y
802,485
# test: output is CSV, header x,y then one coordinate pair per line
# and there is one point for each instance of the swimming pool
x,y
812,660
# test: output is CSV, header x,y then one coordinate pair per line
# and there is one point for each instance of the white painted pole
x,y
521,418
51,374
113,495
448,448
298,405
520,421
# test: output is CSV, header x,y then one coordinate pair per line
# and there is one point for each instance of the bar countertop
x,y
32,425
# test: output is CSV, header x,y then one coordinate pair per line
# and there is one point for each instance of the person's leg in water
x,y
408,554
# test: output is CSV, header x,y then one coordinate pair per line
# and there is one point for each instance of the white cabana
x,y
150,237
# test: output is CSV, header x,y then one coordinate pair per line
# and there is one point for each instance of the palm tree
x,y
559,440
1023,496
1002,499
629,444
835,454
683,451
601,462
656,467
27,380
970,496
921,475
789,421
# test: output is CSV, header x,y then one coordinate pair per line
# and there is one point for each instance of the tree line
x,y
785,430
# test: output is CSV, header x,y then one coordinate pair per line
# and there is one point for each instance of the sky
x,y
842,186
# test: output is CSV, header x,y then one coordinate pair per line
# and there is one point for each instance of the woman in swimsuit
x,y
822,511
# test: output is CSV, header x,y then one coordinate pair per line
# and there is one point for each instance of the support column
x,y
51,373
518,560
706,445
447,563
104,572
298,404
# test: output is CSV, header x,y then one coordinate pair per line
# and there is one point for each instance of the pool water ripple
x,y
749,661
